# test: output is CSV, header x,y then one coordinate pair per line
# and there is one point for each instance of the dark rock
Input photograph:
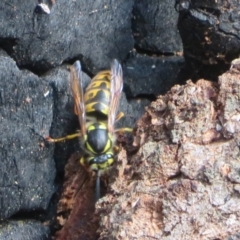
x,y
95,31
27,169
64,120
132,109
155,26
210,34
152,75
19,230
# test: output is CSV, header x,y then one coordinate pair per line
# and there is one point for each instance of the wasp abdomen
x,y
97,95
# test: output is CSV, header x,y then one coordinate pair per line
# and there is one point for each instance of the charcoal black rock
x,y
64,119
27,229
95,31
210,34
154,26
145,75
27,170
133,109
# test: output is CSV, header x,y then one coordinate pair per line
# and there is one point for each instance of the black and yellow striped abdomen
x,y
97,95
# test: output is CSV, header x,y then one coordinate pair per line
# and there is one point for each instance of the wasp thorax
x,y
97,138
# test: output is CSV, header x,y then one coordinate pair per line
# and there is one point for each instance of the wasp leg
x,y
71,136
119,116
82,161
122,130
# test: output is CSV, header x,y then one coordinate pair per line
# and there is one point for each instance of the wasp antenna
x,y
98,187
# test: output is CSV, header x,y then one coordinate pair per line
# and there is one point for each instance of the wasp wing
x,y
116,87
77,92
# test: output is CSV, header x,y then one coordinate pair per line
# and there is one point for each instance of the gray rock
x,y
27,169
152,75
210,34
64,119
95,31
132,109
155,26
27,230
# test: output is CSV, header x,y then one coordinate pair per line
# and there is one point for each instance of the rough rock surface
x,y
94,32
18,230
210,35
154,25
72,29
146,75
64,120
27,169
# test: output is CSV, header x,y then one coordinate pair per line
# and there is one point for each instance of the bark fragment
x,y
183,183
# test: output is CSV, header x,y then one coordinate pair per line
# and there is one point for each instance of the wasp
x,y
97,113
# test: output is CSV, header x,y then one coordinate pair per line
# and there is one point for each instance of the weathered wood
x,y
183,183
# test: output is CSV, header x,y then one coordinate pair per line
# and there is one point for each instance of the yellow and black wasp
x,y
97,113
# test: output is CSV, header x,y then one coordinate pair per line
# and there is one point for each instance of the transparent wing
x,y
115,92
77,92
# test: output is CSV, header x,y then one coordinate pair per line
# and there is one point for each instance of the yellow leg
x,y
71,136
122,130
119,116
82,161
